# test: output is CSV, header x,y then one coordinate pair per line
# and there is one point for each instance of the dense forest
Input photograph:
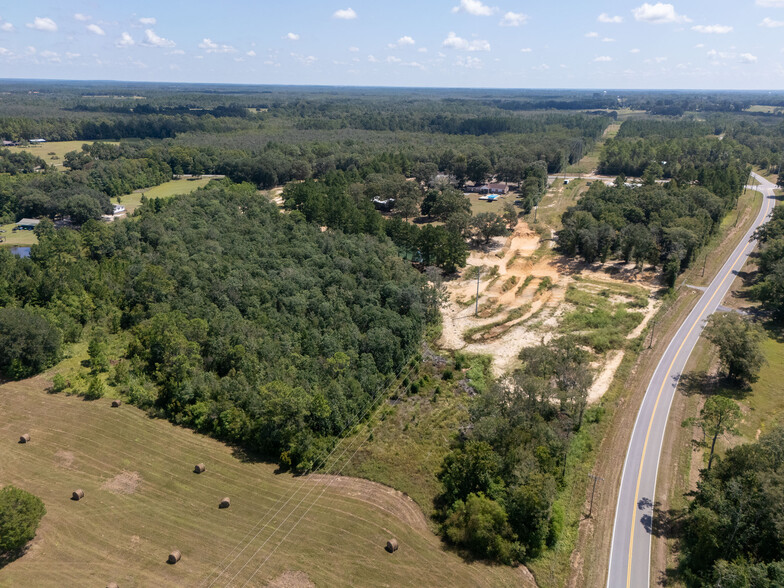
x,y
733,528
246,324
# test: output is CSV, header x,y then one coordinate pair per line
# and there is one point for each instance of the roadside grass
x,y
125,535
166,190
11,238
554,203
54,152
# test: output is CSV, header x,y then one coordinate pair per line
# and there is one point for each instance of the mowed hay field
x,y
165,190
59,148
142,500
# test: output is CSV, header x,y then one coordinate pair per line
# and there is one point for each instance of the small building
x,y
37,141
10,143
119,209
491,188
385,205
27,224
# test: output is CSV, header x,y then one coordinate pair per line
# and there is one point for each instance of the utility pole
x,y
536,210
704,263
476,309
653,330
595,479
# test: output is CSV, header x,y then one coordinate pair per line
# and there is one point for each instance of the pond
x,y
21,251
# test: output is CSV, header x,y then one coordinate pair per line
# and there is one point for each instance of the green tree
x,y
487,225
718,416
482,525
739,343
96,349
20,513
478,168
28,343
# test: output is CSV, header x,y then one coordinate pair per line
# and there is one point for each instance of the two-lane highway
x,y
631,542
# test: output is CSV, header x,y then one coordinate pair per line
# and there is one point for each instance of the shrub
x,y
59,383
20,513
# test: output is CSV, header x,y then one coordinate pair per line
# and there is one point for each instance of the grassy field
x,y
142,500
54,152
479,206
165,190
763,108
590,161
11,238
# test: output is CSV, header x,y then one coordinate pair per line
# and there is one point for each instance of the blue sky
x,y
717,44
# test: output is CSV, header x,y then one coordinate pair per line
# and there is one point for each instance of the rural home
x,y
27,224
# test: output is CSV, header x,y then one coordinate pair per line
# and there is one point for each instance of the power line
x,y
294,526
324,460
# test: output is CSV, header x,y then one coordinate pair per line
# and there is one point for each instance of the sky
x,y
619,44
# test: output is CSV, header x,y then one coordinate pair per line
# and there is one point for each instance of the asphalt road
x,y
630,553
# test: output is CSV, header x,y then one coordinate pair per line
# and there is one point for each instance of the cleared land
x,y
54,152
12,238
142,500
590,161
165,190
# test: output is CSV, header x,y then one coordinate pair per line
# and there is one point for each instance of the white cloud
x,y
393,59
770,23
345,14
513,19
81,17
70,55
422,50
608,40
771,3
94,28
5,52
658,13
125,40
699,45
543,67
606,18
712,29
372,59
43,24
526,50
592,35
474,7
748,58
153,40
148,20
251,53
635,50
292,36
50,55
603,58
211,46
454,42
7,27
354,49
176,52
405,40
469,62
304,59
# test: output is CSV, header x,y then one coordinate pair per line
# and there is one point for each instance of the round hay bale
x,y
225,503
77,494
199,468
174,557
116,403
25,438
392,546
112,585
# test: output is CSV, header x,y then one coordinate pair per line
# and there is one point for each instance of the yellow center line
x,y
656,404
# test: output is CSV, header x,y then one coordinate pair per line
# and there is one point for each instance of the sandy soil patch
x,y
63,459
526,285
292,579
123,483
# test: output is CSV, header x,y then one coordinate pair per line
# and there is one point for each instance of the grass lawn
x,y
142,500
12,238
165,190
497,206
54,152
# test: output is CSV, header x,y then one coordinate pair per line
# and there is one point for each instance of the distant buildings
x,y
491,188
